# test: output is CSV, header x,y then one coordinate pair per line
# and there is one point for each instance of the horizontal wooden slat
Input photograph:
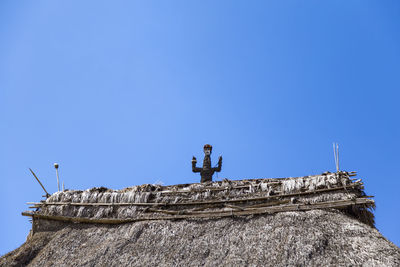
x,y
213,214
201,202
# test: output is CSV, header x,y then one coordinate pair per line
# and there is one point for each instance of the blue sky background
x,y
122,93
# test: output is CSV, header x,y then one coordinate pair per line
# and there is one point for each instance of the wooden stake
x,y
47,194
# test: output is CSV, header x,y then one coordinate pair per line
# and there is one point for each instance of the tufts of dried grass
x,y
311,238
207,197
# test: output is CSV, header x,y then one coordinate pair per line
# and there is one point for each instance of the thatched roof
x,y
206,200
322,220
311,238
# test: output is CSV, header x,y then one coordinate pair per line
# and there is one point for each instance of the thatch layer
x,y
287,227
156,201
311,238
226,189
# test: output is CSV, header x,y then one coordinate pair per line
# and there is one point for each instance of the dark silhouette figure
x,y
207,171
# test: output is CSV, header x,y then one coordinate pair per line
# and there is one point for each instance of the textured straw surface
x,y
146,201
312,238
328,237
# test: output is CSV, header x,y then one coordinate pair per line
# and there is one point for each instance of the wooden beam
x,y
202,202
219,214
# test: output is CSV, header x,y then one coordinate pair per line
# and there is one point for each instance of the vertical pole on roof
x,y
336,155
58,180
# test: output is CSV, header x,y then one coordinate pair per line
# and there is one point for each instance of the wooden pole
x,y
338,204
47,194
212,202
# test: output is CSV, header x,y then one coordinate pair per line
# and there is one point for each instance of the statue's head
x,y
207,149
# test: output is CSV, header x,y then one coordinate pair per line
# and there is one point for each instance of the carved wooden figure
x,y
207,171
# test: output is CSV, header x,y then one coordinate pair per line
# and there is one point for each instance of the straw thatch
x,y
322,220
311,238
215,199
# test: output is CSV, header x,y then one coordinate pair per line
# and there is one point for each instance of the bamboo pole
x,y
200,202
198,215
47,194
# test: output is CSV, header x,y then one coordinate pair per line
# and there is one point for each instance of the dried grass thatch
x,y
311,238
215,199
322,220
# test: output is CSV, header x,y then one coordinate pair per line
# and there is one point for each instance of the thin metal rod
x,y
334,155
337,155
58,180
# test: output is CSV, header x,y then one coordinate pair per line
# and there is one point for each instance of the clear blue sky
x,y
122,93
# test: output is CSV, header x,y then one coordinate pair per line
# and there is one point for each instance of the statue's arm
x,y
194,168
218,169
